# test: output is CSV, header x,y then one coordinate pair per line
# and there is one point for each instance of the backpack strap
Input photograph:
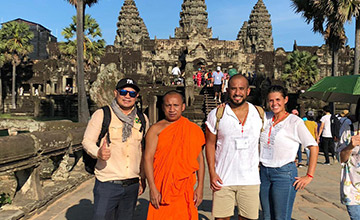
x,y
141,116
105,125
261,114
219,115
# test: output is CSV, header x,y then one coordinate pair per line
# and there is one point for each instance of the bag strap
x,y
219,115
141,116
105,125
261,114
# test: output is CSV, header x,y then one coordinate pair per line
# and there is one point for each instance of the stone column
x,y
153,113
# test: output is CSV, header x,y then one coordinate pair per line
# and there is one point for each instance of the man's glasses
x,y
123,92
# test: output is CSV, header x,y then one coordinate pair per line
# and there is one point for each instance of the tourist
x,y
199,77
117,171
225,84
232,71
217,77
67,88
327,140
345,122
349,148
279,143
312,126
172,157
209,79
21,91
176,73
232,154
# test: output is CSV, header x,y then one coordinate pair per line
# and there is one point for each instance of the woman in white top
x,y
283,132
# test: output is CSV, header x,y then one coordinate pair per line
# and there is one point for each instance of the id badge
x,y
267,153
242,143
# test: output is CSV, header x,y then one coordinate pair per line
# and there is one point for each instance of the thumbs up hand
x,y
104,151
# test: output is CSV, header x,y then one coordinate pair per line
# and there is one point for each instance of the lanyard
x,y
243,124
275,123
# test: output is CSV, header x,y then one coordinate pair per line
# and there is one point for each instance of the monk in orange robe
x,y
173,155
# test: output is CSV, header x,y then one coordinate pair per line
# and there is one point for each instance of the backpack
x,y
220,113
91,162
335,126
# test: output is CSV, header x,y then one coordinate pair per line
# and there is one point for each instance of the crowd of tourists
x,y
251,155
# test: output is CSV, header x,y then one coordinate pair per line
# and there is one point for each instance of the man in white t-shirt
x,y
232,154
176,72
327,141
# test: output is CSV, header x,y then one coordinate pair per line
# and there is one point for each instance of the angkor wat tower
x,y
256,34
131,27
193,20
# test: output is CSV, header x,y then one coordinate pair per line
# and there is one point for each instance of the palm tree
x,y
83,108
349,9
326,18
2,62
15,40
300,69
94,47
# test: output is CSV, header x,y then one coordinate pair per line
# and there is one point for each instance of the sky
x,y
161,17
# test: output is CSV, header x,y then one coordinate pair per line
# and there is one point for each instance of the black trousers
x,y
328,145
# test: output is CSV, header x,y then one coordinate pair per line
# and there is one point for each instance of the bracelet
x,y
309,175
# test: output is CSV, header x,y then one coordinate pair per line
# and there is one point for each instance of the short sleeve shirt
x,y
217,77
327,126
279,147
237,152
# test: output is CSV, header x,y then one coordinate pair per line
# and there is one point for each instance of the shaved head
x,y
238,76
174,92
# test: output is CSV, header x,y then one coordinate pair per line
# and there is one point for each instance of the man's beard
x,y
237,104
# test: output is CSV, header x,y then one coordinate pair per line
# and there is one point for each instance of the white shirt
x,y
327,126
176,71
237,153
284,140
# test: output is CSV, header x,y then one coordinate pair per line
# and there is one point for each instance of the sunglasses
x,y
124,92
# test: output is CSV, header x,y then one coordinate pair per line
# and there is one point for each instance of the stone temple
x,y
192,46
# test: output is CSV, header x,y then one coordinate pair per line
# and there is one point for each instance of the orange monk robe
x,y
175,163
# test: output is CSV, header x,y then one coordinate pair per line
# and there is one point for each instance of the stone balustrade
x,y
39,166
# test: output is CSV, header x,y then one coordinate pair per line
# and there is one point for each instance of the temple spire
x,y
258,31
131,27
193,20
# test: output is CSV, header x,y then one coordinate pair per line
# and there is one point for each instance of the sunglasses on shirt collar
x,y
123,92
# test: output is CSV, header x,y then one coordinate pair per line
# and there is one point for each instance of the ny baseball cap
x,y
127,82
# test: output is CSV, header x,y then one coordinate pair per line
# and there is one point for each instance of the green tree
x,y
15,40
2,62
350,9
326,18
94,46
300,69
83,108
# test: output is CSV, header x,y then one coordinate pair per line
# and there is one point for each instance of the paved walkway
x,y
320,200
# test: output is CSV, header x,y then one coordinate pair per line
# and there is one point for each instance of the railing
x,y
31,159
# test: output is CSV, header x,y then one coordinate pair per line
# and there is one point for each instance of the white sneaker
x,y
215,98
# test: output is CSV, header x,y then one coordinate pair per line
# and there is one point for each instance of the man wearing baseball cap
x,y
118,171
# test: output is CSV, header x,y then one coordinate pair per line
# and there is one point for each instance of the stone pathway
x,y
320,200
